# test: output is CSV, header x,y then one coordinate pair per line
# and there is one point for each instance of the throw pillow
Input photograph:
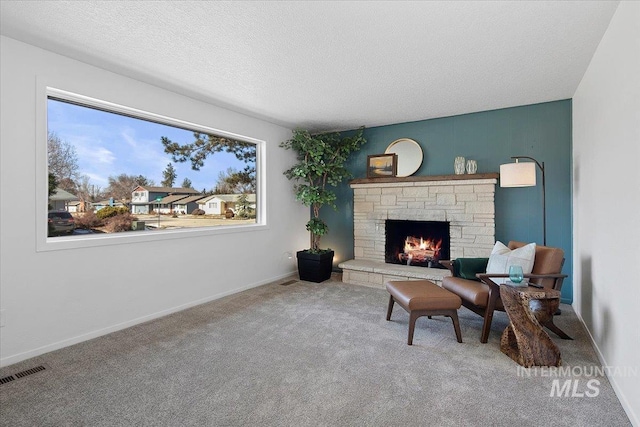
x,y
502,257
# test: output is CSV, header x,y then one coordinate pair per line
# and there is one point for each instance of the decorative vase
x,y
515,274
458,165
472,166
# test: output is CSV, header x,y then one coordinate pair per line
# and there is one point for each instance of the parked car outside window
x,y
60,222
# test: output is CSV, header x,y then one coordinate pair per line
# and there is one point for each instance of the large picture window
x,y
117,170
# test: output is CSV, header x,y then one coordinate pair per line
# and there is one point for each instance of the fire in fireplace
x,y
418,243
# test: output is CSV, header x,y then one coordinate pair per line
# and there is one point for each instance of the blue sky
x,y
109,144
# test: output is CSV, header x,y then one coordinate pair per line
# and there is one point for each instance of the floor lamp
x,y
524,175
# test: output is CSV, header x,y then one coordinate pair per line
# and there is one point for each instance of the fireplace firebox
x,y
417,243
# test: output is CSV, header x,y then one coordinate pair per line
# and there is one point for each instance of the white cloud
x,y
96,156
99,180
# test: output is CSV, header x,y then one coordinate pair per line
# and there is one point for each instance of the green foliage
x,y
111,211
53,184
186,183
169,175
244,207
321,164
206,145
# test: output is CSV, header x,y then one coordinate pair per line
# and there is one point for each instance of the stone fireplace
x,y
465,202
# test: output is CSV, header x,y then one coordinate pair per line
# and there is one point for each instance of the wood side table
x,y
524,340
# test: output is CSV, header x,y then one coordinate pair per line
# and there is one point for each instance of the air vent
x,y
7,379
288,282
22,374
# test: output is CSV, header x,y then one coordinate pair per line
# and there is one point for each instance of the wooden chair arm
x,y
486,279
484,275
448,264
526,276
559,278
545,276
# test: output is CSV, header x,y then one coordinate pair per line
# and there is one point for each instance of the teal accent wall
x,y
541,131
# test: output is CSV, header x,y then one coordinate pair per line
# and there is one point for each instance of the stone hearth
x,y
466,201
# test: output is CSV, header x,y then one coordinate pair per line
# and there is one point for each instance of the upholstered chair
x,y
481,294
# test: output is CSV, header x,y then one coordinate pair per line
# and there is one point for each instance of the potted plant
x,y
321,165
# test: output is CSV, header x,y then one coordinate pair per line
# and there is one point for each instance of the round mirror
x,y
409,155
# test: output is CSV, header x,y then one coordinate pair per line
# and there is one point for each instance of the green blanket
x,y
467,268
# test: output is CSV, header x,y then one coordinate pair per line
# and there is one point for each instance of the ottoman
x,y
423,298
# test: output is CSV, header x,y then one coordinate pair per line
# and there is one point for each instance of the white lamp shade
x,y
518,175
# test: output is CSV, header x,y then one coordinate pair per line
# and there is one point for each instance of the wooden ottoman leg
x,y
413,316
390,309
456,325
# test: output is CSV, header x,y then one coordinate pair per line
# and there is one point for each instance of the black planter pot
x,y
315,267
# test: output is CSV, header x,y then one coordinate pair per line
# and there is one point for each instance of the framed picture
x,y
382,165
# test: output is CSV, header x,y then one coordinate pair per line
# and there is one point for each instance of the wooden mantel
x,y
465,176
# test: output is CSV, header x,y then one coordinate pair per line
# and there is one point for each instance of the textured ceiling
x,y
328,65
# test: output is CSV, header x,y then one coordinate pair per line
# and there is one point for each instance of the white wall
x,y
606,155
51,299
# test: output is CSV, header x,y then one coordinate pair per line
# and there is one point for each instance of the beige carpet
x,y
305,354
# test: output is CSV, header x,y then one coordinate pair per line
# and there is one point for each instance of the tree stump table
x,y
524,340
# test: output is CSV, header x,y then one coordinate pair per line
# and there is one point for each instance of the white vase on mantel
x,y
472,166
459,165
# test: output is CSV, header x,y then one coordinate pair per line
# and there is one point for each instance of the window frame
x,y
45,243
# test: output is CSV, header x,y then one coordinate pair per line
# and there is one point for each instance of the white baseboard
x,y
633,417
